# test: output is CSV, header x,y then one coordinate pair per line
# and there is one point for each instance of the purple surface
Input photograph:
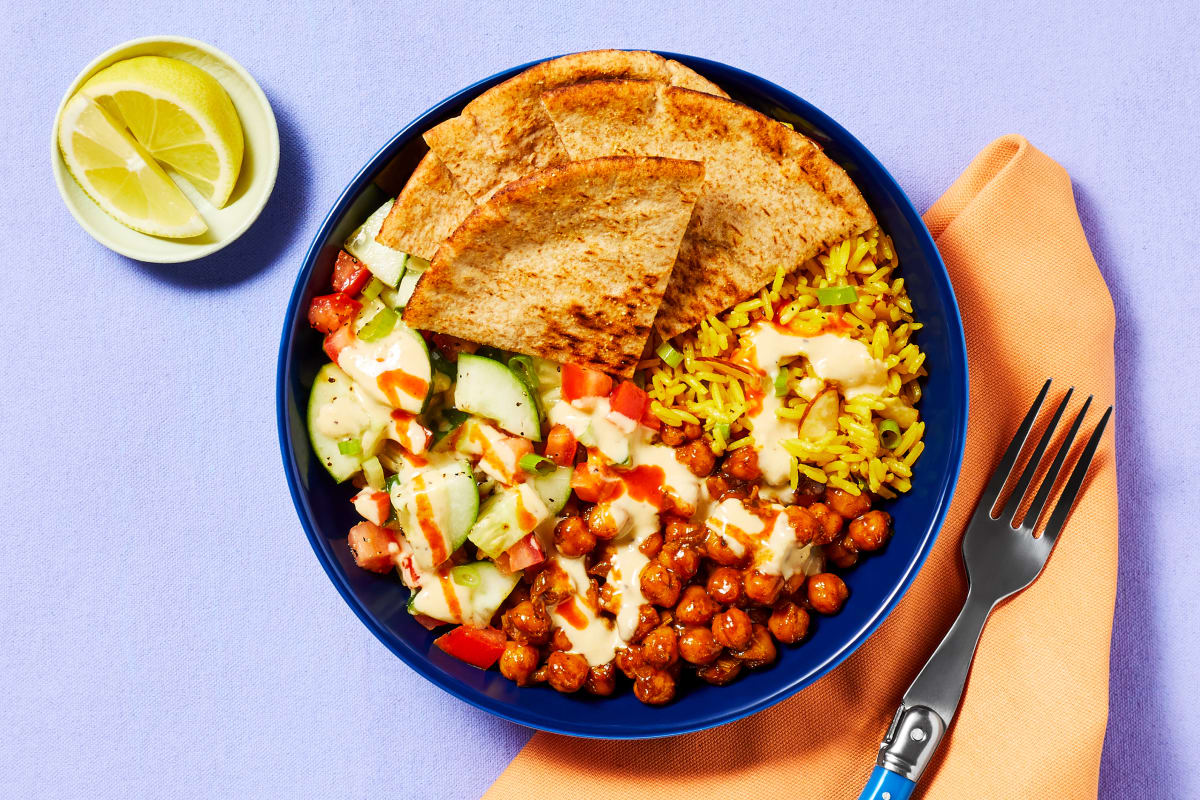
x,y
166,630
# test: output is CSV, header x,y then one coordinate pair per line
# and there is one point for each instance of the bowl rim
x,y
180,250
522,716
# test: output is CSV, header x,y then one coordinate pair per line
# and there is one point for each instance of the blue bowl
x,y
876,585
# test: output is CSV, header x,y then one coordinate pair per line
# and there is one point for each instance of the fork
x,y
1002,557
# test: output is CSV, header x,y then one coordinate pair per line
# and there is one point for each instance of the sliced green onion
x,y
372,289
373,472
837,295
465,575
889,433
781,382
380,326
723,430
670,356
536,465
350,447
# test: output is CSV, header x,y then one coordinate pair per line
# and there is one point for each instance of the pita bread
x,y
504,134
569,263
429,208
771,197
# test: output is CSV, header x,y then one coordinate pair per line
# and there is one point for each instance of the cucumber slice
x,y
334,395
477,603
436,506
506,518
405,289
402,352
488,388
384,262
554,488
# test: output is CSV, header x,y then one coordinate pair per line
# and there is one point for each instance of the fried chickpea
x,y
528,623
552,585
648,620
697,458
659,585
671,436
539,674
660,648
684,532
761,649
796,588
697,645
601,523
609,598
846,504
629,661
573,538
681,559
651,545
803,523
721,671
720,551
788,622
599,561
692,431
695,606
829,523
722,487
724,585
559,640
518,662
602,680
869,531
654,687
809,491
843,553
732,628
827,592
742,464
566,672
760,587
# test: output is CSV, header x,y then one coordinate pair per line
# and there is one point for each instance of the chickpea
x,y
869,531
720,551
681,559
559,640
721,671
609,598
629,661
846,504
809,491
796,588
666,617
732,628
648,620
827,593
803,523
651,545
573,538
518,662
552,585
788,622
684,532
696,457
725,585
601,522
695,606
566,672
697,645
539,674
829,522
672,437
527,623
659,585
692,431
602,680
842,553
722,487
654,687
761,649
599,561
761,588
742,464
660,649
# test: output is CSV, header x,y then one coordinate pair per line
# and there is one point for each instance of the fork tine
x,y
1031,467
1001,474
1059,517
1043,494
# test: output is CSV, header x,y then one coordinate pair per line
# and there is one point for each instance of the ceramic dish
x,y
876,585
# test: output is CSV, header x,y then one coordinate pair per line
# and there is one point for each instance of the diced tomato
x,y
630,401
451,346
374,506
428,622
479,647
525,553
334,343
374,547
349,274
650,421
588,485
561,446
329,312
580,382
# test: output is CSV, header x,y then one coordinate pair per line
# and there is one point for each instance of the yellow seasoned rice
x,y
716,395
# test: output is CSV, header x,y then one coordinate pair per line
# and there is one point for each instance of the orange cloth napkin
x,y
1031,724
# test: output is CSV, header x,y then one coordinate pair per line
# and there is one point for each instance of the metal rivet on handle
x,y
917,735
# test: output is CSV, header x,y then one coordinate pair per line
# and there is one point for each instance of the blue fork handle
x,y
886,785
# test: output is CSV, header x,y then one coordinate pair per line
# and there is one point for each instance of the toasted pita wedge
x,y
569,263
771,197
504,134
429,208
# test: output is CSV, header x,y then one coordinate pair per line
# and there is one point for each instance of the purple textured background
x,y
166,630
